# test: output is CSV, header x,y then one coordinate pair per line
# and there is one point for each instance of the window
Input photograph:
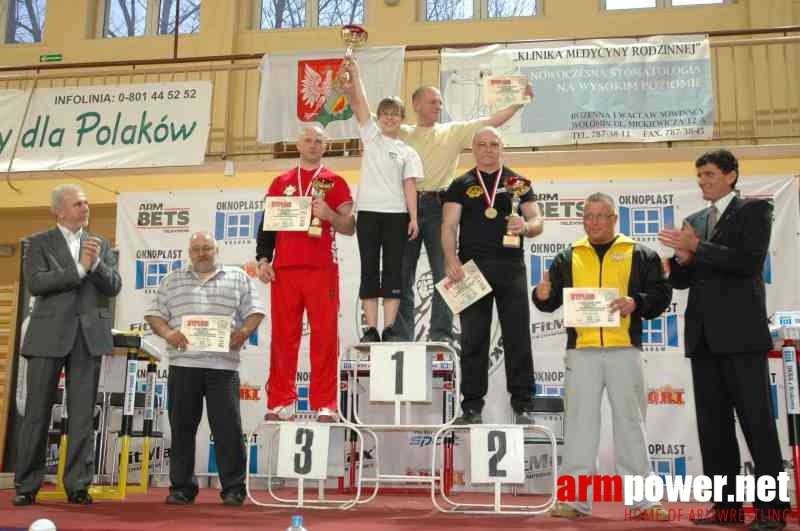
x,y
134,18
638,4
188,17
125,18
441,10
25,20
341,12
280,14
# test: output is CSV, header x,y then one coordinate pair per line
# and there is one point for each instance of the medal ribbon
x,y
310,182
489,199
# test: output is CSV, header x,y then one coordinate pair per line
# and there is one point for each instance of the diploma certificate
x,y
502,91
287,213
209,333
588,307
461,294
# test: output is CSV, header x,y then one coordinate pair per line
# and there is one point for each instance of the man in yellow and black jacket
x,y
606,359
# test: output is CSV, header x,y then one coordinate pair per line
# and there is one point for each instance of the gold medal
x,y
490,213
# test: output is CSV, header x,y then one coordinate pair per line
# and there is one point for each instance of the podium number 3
x,y
398,374
302,459
496,443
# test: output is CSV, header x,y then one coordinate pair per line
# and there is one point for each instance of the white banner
x,y
615,90
105,126
153,229
297,89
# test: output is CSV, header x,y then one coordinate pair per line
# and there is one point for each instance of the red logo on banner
x,y
317,98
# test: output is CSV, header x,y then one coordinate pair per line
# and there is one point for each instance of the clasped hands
x,y
684,242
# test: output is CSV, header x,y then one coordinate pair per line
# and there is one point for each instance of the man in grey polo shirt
x,y
205,288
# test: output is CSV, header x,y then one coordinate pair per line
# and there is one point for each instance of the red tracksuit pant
x,y
317,291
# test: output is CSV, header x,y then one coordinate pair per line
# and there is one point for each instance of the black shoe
x,y
178,498
81,497
234,498
21,500
523,412
390,335
524,417
371,336
469,417
719,517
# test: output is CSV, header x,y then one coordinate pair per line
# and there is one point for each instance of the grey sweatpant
x,y
620,373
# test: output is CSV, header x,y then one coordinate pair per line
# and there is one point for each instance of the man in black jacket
x,y
606,359
719,256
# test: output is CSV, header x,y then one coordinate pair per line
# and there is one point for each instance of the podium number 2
x,y
304,437
398,373
497,444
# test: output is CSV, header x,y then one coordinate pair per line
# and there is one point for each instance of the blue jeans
x,y
429,219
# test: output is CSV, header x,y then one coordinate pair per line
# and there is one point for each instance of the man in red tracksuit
x,y
304,275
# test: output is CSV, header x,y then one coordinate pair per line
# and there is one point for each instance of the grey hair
x,y
205,234
317,128
600,197
57,196
491,129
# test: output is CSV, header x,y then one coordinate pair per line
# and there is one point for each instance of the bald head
x,y
427,103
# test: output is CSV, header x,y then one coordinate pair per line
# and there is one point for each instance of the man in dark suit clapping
x,y
719,256
73,276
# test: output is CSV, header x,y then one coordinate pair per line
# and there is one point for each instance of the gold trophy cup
x,y
518,187
353,37
319,187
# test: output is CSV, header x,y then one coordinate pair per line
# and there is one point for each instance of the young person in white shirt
x,y
386,204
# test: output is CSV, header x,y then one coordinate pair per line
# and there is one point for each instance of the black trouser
x,y
741,381
508,283
376,231
186,388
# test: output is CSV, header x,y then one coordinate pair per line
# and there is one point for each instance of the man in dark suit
x,y
73,276
719,256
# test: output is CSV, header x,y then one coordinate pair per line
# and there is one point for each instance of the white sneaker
x,y
280,413
325,414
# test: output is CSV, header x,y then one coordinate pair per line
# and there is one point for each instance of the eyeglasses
x,y
205,249
598,217
485,145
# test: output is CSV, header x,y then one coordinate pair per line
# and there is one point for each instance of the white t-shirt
x,y
385,164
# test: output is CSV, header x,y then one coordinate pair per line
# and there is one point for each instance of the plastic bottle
x,y
297,524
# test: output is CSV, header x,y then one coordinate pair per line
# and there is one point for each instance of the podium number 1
x,y
398,374
304,437
496,443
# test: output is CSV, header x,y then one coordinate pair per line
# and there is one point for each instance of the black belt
x,y
435,193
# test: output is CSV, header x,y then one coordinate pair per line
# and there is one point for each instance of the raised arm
x,y
354,90
500,117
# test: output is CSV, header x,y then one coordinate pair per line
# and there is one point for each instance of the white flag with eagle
x,y
297,89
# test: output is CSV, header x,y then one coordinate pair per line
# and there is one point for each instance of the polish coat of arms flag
x,y
317,98
299,88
